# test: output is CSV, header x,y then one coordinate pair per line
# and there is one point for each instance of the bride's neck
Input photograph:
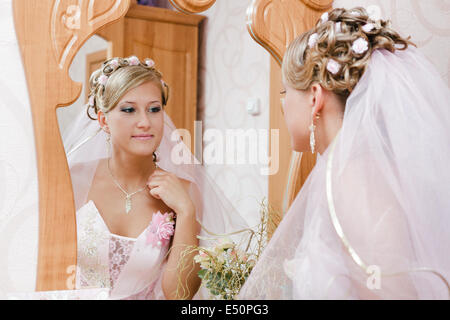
x,y
130,172
329,124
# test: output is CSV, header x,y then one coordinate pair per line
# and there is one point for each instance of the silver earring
x,y
312,139
108,143
312,128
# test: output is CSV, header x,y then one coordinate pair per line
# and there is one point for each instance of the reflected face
x,y
136,123
297,108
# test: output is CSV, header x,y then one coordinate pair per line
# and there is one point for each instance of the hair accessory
x,y
313,40
360,45
368,27
133,61
337,27
102,79
333,66
149,63
324,17
114,63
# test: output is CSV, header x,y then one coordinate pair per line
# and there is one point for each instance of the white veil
x,y
372,220
86,145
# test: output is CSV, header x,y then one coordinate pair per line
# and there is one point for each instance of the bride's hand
x,y
172,191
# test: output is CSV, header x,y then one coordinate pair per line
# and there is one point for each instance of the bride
x,y
138,208
371,221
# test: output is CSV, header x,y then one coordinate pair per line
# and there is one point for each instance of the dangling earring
x,y
312,127
108,143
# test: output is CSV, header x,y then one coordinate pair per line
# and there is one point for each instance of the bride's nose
x,y
144,121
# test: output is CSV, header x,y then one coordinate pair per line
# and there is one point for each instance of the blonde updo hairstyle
x,y
123,74
303,65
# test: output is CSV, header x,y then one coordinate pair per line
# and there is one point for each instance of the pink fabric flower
x,y
103,79
149,62
161,229
360,45
313,40
333,66
133,61
114,63
367,27
338,27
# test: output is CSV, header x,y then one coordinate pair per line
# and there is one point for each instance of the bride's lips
x,y
143,136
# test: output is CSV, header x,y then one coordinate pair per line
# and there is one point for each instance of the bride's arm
x,y
180,279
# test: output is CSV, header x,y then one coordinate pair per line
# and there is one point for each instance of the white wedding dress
x,y
130,268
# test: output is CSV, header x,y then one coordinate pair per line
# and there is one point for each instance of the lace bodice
x,y
119,253
130,268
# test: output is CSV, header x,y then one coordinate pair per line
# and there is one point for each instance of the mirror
x,y
88,59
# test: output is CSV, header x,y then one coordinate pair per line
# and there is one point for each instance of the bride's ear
x,y
317,98
101,116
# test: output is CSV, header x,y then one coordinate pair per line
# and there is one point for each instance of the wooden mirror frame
x,y
50,33
274,24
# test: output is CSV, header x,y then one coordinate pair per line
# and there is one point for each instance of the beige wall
x,y
233,69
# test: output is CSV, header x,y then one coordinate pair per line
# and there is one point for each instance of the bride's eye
x,y
127,109
154,109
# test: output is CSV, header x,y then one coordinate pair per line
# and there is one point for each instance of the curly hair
x,y
306,59
121,75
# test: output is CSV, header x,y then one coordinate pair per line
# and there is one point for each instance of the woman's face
x,y
136,123
297,107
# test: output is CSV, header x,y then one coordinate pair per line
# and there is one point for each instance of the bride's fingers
x,y
154,192
157,181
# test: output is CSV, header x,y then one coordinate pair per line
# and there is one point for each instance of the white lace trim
x,y
119,252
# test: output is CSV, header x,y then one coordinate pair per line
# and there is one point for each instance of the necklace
x,y
128,195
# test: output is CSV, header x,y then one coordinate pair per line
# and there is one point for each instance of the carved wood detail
x,y
274,24
50,32
192,6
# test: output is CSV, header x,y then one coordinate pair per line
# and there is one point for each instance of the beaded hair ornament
x,y
359,46
98,84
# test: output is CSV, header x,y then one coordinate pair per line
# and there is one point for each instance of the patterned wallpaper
x,y
233,68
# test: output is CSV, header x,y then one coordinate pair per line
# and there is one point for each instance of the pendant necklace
x,y
127,195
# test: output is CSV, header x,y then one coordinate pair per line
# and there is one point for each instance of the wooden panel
x,y
50,32
274,24
93,62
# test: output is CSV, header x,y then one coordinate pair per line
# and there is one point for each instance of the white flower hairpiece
x,y
114,63
360,45
102,79
133,61
313,40
333,66
337,27
149,63
368,27
324,17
